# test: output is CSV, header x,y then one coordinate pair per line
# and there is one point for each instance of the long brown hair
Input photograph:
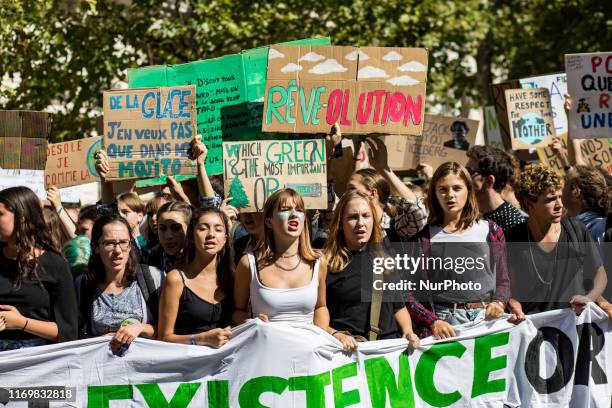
x,y
470,211
59,236
95,270
336,250
225,263
265,247
372,180
30,230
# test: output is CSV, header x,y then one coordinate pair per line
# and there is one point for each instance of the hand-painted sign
x,y
72,163
23,139
255,169
530,118
148,132
365,89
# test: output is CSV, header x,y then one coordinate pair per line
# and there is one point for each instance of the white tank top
x,y
295,305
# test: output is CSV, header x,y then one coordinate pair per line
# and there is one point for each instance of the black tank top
x,y
196,315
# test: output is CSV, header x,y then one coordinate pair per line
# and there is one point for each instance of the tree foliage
x,y
59,55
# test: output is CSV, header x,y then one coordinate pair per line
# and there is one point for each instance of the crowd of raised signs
x,y
186,266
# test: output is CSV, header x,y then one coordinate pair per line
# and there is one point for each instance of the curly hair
x,y
533,180
30,230
593,188
493,162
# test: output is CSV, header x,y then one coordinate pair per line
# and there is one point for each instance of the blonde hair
x,y
133,201
336,250
373,180
533,180
470,211
265,248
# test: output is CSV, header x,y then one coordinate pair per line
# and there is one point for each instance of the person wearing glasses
x,y
117,295
491,170
37,301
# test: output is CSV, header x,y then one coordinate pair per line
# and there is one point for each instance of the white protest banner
x,y
589,82
555,359
33,179
252,170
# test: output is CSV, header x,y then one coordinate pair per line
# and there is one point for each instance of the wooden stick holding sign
x,y
148,131
255,169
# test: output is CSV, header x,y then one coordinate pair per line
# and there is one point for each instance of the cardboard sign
x,y
499,102
229,99
589,78
23,139
366,89
595,152
148,132
444,139
253,170
492,132
530,118
72,163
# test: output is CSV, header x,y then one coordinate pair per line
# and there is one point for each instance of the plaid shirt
x,y
411,217
421,244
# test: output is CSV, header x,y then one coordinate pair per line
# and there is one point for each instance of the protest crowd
x,y
186,262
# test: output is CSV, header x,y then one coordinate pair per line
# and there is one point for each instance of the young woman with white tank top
x,y
283,280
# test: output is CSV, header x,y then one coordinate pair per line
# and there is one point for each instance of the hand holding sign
x,y
102,165
377,154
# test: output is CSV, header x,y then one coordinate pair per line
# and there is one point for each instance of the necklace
x,y
549,283
289,269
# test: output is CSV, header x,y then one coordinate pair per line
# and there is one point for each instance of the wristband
x,y
25,325
59,210
192,340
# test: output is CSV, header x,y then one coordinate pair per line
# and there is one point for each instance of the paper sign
x,y
492,131
589,82
499,102
255,169
444,139
229,99
365,89
148,131
23,139
530,118
33,179
72,163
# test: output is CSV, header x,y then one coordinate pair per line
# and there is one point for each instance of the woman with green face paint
x,y
284,278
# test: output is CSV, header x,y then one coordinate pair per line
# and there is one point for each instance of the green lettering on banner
x,y
100,396
252,390
382,380
424,374
292,88
344,399
154,397
314,385
273,106
218,394
484,365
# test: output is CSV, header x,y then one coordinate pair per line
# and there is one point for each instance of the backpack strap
x,y
375,306
148,288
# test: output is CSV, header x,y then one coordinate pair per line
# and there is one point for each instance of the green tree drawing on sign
x,y
239,197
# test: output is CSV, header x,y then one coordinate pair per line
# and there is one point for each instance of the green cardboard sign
x,y
229,94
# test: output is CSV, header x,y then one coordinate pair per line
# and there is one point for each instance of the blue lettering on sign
x,y
115,102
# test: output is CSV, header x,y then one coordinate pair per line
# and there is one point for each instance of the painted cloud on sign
x,y
327,67
412,66
273,54
291,67
371,72
403,80
392,56
312,57
353,55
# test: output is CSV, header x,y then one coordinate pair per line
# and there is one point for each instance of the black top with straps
x,y
196,315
